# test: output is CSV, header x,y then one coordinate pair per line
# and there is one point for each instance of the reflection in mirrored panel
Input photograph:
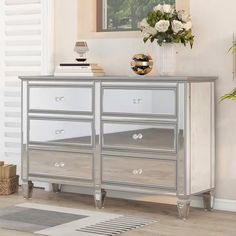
x,y
161,137
181,166
57,131
61,99
123,15
67,165
139,171
140,101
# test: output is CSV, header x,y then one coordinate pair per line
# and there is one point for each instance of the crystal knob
x,y
137,171
57,164
137,100
59,131
62,164
140,136
59,99
137,136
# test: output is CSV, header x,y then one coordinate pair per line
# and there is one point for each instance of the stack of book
x,y
79,69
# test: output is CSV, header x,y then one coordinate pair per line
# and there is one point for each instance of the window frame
x,y
101,12
88,24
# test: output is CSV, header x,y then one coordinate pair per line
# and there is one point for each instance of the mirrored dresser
x,y
149,135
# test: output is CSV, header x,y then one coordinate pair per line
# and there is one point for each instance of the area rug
x,y
63,221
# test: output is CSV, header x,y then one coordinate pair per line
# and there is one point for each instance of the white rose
x,y
159,7
143,24
145,34
149,31
162,25
184,16
188,25
177,26
167,8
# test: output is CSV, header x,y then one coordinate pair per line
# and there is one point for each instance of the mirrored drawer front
x,y
61,99
138,171
61,132
60,164
140,101
148,137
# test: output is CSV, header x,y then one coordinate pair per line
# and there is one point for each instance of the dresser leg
x,y
99,198
183,206
208,200
56,188
27,189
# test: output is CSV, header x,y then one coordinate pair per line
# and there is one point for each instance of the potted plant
x,y
167,26
232,94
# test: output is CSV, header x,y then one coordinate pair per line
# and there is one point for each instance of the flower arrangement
x,y
167,25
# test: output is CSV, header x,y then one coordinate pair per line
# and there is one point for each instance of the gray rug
x,y
61,221
31,220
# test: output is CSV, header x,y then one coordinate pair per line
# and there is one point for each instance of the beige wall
x,y
66,25
208,57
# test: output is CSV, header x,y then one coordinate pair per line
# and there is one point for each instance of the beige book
x,y
3,170
9,171
1,163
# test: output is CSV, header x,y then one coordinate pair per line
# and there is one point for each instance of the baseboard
x,y
196,201
219,204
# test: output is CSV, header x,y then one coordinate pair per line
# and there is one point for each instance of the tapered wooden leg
x,y
208,200
56,188
183,206
27,189
99,198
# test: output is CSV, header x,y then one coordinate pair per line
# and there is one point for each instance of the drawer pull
x,y
137,100
57,164
59,131
137,172
59,99
140,136
137,136
62,164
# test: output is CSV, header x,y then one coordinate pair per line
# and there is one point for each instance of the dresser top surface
x,y
124,78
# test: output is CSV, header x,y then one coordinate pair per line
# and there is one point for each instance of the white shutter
x,y
25,51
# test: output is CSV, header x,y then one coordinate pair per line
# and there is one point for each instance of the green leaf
x,y
229,96
145,40
232,48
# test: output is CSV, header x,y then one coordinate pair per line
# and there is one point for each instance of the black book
x,y
75,64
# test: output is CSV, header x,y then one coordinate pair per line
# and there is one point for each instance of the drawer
x,y
61,99
64,132
153,101
146,137
139,171
60,164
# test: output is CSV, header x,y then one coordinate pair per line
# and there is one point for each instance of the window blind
x,y
24,51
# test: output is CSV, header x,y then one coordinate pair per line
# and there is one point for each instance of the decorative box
x,y
9,186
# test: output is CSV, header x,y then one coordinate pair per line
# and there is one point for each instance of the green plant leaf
x,y
232,48
229,96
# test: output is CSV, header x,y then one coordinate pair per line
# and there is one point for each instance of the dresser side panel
x,y
200,137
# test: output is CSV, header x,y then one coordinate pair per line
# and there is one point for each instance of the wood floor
x,y
200,223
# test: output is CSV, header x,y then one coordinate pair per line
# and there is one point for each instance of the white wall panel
x,y
23,52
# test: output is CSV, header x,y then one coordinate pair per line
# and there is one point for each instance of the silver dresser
x,y
149,135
